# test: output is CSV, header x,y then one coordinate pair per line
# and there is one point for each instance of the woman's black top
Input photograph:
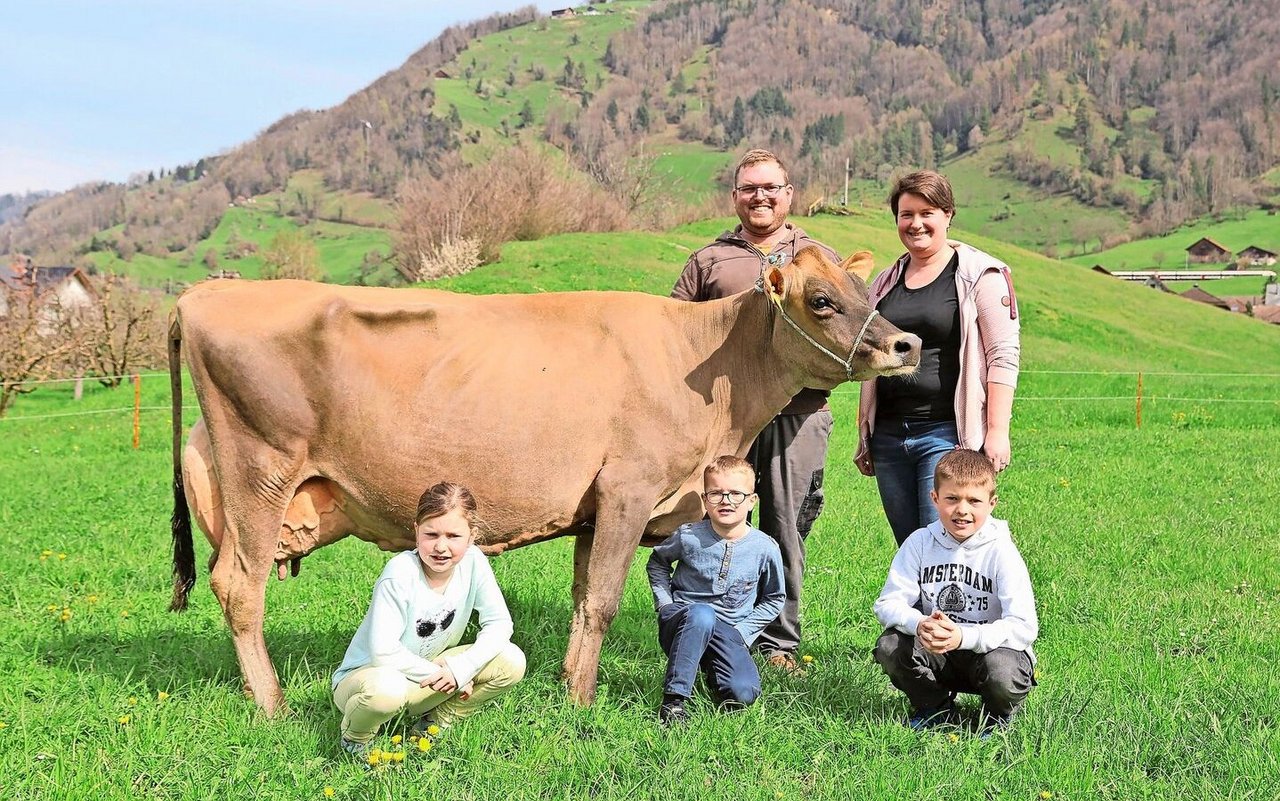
x,y
931,312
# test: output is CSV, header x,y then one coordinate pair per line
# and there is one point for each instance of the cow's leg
x,y
254,506
581,560
620,523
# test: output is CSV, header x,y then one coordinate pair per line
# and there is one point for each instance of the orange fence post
x,y
1139,411
137,410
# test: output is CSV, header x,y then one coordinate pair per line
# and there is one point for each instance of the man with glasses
x,y
789,454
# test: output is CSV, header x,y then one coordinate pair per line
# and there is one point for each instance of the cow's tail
x,y
184,556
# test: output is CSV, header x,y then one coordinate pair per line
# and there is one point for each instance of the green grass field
x,y
1152,551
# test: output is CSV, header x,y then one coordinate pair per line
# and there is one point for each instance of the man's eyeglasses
x,y
768,190
734,497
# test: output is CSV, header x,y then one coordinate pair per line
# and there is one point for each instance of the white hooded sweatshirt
x,y
981,583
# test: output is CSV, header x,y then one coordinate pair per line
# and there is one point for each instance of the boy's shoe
x,y
425,726
991,725
672,711
943,715
358,750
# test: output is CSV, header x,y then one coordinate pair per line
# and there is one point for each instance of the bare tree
x,y
124,331
36,338
291,255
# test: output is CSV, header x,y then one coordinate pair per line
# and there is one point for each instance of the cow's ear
x,y
775,285
860,264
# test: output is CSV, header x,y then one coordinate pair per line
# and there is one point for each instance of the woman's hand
x,y
996,447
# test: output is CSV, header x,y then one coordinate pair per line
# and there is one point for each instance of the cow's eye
x,y
820,303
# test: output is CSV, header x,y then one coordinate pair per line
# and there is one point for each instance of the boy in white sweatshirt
x,y
957,605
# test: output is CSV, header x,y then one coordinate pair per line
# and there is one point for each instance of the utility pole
x,y
845,202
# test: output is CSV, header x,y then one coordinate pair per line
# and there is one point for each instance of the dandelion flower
x,y
162,696
133,700
397,756
807,659
433,730
328,792
66,615
46,553
62,556
396,740
375,756
93,599
953,737
124,613
3,725
413,738
1046,795
424,745
52,607
123,720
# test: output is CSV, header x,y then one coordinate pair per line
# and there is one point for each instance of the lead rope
x,y
847,364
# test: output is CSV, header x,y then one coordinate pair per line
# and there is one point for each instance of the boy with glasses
x,y
726,586
790,453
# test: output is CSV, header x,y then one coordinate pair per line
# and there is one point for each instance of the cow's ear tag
x,y
859,264
775,286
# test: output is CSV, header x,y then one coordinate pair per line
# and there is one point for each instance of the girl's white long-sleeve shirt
x,y
409,624
982,584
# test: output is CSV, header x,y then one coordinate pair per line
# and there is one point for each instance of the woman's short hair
x,y
932,186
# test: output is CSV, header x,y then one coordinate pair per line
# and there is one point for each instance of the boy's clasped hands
x,y
938,633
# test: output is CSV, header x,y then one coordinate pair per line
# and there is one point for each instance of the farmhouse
x,y
562,13
60,289
1206,251
1197,294
1255,256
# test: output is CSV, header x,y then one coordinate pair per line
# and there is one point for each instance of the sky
x,y
103,89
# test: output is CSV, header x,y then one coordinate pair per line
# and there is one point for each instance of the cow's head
x,y
826,324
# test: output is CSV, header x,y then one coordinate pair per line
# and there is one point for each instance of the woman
x,y
406,657
960,302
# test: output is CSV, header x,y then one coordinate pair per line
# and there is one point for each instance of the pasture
x,y
1152,551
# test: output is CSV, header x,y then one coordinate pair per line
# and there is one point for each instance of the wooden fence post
x,y
137,410
1139,410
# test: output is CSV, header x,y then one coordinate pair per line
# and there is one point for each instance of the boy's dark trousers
x,y
1003,676
693,636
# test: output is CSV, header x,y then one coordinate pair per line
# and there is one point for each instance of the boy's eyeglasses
x,y
768,190
734,497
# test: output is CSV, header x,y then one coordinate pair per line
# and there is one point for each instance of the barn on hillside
x,y
1206,251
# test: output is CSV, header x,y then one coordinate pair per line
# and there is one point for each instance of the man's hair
x,y
932,186
443,498
966,468
759,156
729,464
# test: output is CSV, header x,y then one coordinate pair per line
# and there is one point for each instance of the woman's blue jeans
x,y
905,453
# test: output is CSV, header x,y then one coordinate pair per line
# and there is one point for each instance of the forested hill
x,y
1153,112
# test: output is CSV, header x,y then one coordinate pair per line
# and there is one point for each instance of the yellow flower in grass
x,y
65,616
375,756
396,739
162,696
953,737
424,745
433,730
123,720
3,725
1046,795
52,607
124,613
93,599
62,556
133,700
397,756
328,792
807,659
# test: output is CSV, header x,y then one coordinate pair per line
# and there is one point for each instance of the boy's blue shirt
x,y
741,579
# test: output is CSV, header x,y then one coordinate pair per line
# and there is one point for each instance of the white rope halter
x,y
847,364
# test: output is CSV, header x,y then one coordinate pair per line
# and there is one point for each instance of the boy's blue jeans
x,y
905,453
693,636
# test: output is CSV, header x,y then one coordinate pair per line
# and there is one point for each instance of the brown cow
x,y
327,410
